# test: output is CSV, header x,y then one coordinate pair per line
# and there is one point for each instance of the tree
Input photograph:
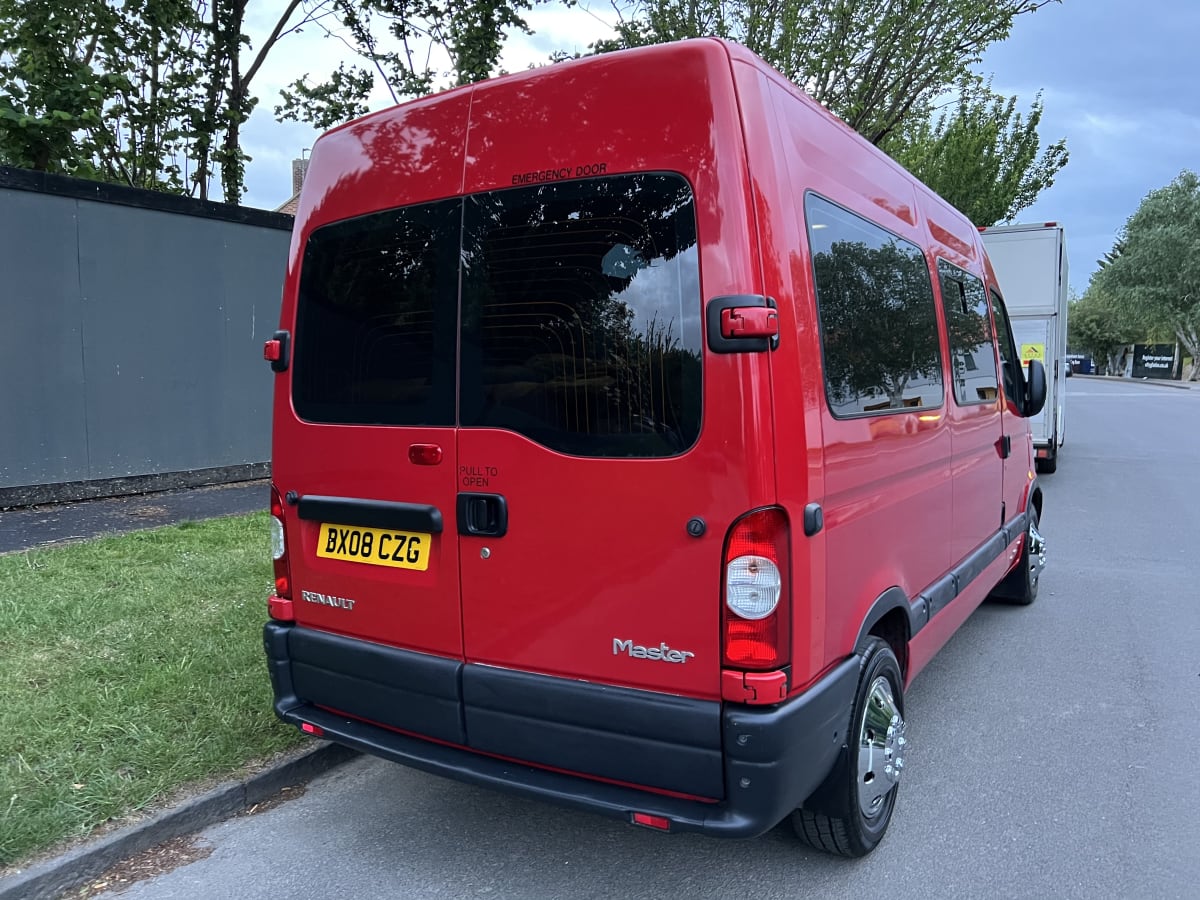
x,y
1154,278
46,94
1098,327
982,157
1111,256
149,93
875,63
470,34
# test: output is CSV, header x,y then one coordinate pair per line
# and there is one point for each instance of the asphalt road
x,y
1054,748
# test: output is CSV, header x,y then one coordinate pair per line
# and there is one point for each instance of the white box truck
x,y
1031,266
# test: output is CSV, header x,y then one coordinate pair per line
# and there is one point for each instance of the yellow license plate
x,y
399,549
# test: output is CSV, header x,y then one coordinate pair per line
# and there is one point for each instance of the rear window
x,y
375,340
579,305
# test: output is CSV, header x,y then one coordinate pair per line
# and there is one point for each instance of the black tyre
x,y
1020,586
850,812
1048,465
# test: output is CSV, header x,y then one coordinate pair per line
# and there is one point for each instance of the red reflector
x,y
272,350
753,644
425,454
1042,453
309,728
659,822
281,608
749,322
283,587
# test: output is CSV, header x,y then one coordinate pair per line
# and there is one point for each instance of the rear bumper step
x,y
760,761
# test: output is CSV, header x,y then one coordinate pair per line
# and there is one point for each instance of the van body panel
x,y
881,476
497,304
417,610
796,380
408,154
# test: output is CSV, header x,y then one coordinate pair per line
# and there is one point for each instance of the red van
x,y
640,432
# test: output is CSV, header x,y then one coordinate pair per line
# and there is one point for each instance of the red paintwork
x,y
598,549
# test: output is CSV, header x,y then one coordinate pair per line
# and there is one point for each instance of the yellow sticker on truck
x,y
1033,351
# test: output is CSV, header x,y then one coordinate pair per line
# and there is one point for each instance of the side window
x,y
879,332
969,326
1009,360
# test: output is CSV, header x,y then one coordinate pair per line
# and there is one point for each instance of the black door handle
x,y
482,515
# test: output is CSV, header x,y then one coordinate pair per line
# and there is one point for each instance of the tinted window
x,y
1014,379
581,315
879,330
375,338
969,327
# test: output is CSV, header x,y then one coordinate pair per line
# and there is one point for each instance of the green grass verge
x,y
129,667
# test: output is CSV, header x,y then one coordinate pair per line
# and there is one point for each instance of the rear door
x,y
581,411
371,454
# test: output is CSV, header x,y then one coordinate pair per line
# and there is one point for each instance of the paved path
x,y
57,523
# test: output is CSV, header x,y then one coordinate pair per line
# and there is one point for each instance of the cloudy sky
x,y
1120,81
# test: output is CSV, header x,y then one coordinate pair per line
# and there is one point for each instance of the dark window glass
x,y
581,315
969,326
1010,364
375,331
879,330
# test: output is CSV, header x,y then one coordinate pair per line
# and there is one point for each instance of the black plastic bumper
x,y
761,762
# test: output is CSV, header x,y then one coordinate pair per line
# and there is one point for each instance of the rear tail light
x,y
283,572
757,596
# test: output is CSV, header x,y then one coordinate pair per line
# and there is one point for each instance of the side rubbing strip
x,y
372,513
939,594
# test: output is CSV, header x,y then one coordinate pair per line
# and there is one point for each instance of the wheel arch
x,y
895,620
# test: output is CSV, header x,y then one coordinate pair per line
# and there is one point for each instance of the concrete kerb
x,y
55,877
1156,382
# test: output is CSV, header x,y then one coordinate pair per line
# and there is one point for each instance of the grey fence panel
x,y
42,431
172,384
131,334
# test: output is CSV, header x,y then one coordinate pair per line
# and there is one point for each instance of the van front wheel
x,y
1020,586
853,807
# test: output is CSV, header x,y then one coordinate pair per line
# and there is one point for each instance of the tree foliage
x,y
98,89
403,43
1097,326
1153,278
148,93
982,156
875,63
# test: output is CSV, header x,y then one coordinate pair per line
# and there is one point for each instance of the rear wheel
x,y
855,803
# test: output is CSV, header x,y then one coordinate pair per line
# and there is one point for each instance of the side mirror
x,y
1035,388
